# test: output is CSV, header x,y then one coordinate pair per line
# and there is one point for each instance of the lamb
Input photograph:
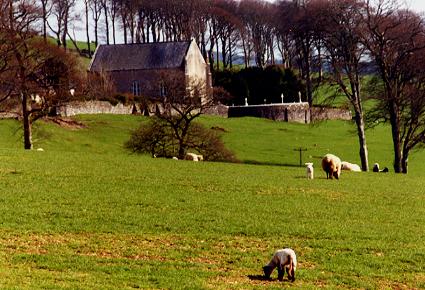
x,y
331,164
194,157
310,170
376,168
282,259
350,166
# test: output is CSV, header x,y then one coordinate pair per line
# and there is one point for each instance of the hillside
x,y
86,214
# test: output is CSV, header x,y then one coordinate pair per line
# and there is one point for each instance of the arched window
x,y
135,88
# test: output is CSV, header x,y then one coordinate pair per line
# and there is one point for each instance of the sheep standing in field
x,y
331,164
309,170
350,166
282,259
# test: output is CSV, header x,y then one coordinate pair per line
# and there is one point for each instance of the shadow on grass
x,y
254,162
303,177
259,278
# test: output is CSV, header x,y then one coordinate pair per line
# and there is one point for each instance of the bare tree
x,y
96,9
37,74
341,22
104,4
180,101
300,20
86,13
46,10
62,13
257,16
395,40
113,12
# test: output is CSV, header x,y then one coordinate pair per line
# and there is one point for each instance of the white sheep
x,y
282,259
309,170
331,164
350,166
194,157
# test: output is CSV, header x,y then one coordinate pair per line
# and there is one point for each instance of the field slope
x,y
86,214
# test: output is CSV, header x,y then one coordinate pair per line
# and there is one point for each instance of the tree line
x,y
323,40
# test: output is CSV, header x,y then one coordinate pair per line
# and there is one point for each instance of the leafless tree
x,y
62,13
96,9
36,74
342,23
104,4
86,13
395,40
180,101
46,10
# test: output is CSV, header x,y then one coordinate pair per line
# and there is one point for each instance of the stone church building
x,y
135,68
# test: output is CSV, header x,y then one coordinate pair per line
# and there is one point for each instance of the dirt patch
x,y
66,123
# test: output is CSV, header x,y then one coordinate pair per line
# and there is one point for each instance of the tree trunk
x,y
395,130
87,27
124,27
309,85
27,123
362,139
96,36
113,30
65,28
44,20
105,10
404,161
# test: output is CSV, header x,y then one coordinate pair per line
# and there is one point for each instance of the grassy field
x,y
85,214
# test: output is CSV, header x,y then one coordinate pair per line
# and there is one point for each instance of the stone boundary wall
x,y
93,107
289,112
322,113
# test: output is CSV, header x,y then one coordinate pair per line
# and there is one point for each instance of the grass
x,y
85,214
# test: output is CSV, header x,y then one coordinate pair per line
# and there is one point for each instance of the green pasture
x,y
86,214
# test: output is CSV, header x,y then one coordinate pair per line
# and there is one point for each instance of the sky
x,y
416,5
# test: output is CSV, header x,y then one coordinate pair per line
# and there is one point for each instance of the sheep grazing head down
x,y
331,164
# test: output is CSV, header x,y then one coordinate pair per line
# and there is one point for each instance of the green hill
x,y
86,214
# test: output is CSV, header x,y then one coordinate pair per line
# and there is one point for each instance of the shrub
x,y
157,138
154,138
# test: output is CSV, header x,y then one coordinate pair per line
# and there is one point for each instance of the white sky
x,y
416,5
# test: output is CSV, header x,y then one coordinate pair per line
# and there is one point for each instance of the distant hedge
x,y
258,84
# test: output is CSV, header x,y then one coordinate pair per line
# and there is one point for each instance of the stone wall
x,y
93,107
289,112
320,114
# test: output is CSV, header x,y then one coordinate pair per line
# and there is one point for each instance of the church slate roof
x,y
139,56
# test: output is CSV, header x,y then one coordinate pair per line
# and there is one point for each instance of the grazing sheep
x,y
331,164
194,157
282,259
376,168
175,158
350,166
310,170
